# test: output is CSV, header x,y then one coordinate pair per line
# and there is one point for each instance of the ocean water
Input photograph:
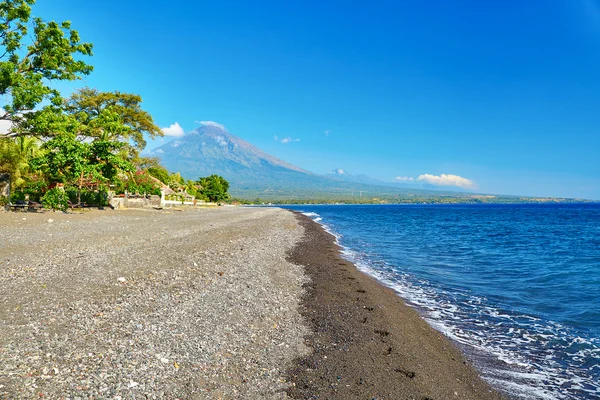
x,y
517,287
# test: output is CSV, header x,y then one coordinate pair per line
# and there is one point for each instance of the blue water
x,y
516,286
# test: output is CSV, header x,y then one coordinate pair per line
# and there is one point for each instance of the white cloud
x,y
176,143
221,141
327,132
211,123
285,139
404,179
159,151
448,180
174,130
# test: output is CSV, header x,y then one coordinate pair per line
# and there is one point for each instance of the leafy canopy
x,y
33,54
68,160
15,154
112,116
214,188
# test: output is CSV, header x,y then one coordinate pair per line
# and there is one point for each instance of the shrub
x,y
3,201
89,197
17,195
142,184
35,189
56,199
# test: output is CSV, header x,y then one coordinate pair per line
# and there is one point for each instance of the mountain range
x,y
251,172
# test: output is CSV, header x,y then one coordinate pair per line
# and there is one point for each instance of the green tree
x,y
159,173
15,155
64,159
214,188
34,54
112,116
176,181
73,162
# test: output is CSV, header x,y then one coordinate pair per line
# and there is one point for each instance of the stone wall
x,y
4,185
135,202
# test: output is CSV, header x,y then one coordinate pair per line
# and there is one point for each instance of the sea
x,y
516,287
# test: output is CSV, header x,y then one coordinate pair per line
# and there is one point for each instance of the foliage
x,y
35,53
106,162
34,188
214,188
87,141
56,199
16,196
15,155
159,173
175,197
3,201
70,161
64,159
145,162
142,183
89,197
176,181
112,116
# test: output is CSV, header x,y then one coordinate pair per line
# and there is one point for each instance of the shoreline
x,y
366,342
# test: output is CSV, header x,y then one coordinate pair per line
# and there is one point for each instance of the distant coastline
x,y
441,200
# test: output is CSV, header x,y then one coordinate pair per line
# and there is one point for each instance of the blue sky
x,y
505,94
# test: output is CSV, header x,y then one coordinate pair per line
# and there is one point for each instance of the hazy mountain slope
x,y
210,149
344,176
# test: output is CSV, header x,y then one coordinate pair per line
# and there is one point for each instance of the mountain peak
x,y
213,123
338,171
210,148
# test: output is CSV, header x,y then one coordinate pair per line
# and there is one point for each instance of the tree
x,y
64,160
214,188
112,116
143,183
34,54
15,155
71,161
176,181
159,173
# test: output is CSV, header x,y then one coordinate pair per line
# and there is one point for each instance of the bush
x,y
35,190
3,201
17,195
159,173
142,184
91,198
56,199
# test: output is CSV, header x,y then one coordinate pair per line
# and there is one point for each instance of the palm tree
x,y
15,155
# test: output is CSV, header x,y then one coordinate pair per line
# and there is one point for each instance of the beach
x,y
248,303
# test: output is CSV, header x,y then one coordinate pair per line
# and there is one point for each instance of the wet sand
x,y
367,343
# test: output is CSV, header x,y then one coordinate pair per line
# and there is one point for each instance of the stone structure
x,y
5,187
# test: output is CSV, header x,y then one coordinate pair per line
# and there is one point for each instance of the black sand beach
x,y
203,304
368,344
